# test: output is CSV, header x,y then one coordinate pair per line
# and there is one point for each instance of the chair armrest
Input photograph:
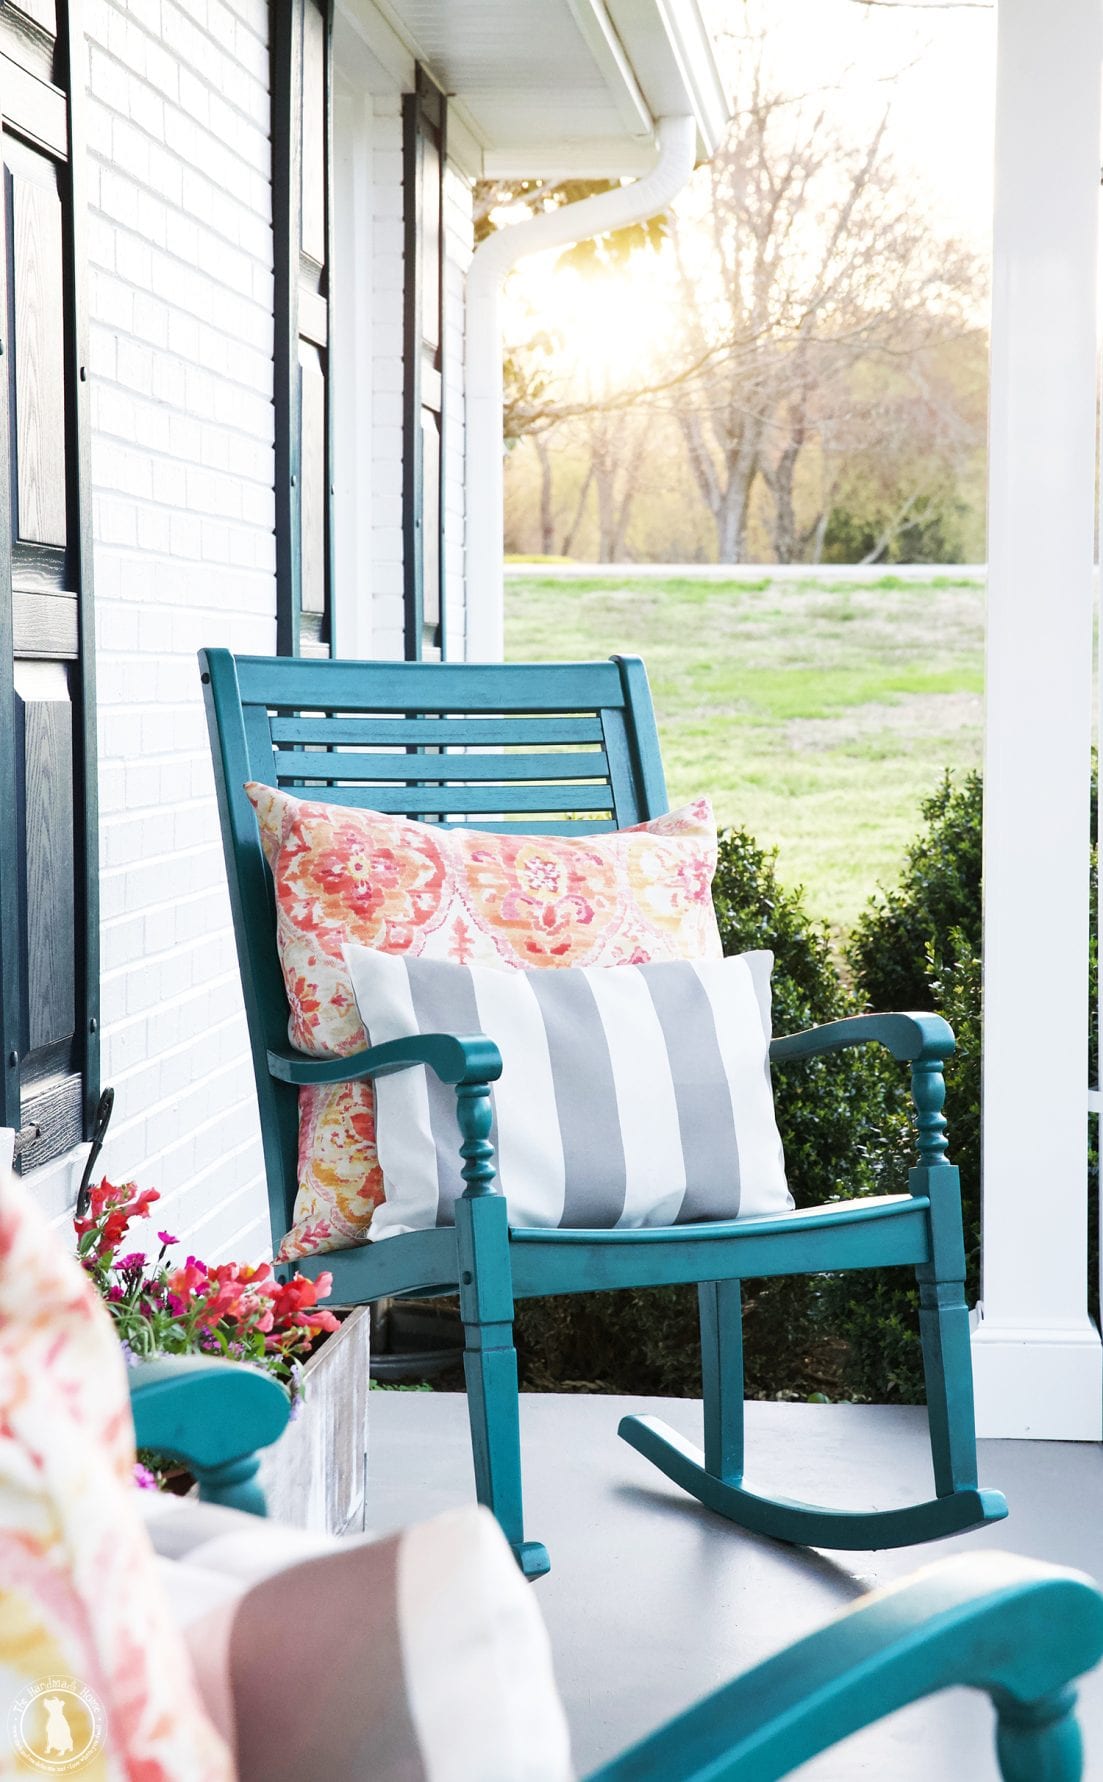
x,y
913,1039
1019,1630
213,1415
923,1041
455,1059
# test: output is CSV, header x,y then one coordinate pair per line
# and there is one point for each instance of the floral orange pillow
x,y
630,897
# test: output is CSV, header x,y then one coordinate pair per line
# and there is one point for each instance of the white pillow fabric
x,y
630,1095
435,1664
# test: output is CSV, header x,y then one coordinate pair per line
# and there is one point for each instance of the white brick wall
x,y
180,298
387,614
458,243
370,234
180,289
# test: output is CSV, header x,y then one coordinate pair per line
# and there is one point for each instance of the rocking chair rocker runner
x,y
288,722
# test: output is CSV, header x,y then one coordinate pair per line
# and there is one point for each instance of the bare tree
x,y
804,260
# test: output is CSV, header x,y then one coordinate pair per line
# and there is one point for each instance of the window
x,y
302,212
49,1042
424,149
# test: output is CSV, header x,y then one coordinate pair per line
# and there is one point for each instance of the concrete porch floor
x,y
652,1601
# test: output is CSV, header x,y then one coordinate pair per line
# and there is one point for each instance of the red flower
x,y
189,1280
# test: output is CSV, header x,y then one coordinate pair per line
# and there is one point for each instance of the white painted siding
x,y
180,290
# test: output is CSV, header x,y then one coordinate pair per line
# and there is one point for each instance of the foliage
x,y
191,1308
865,532
830,1112
813,384
920,946
918,930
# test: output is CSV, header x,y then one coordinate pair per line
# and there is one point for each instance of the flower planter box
x,y
316,1474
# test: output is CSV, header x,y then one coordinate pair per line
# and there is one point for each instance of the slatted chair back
x,y
566,748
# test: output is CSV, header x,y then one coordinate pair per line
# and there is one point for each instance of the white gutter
x,y
483,448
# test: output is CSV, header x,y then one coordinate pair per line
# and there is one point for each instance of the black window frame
x,y
49,1094
302,314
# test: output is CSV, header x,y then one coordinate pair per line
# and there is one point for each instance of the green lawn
x,y
817,715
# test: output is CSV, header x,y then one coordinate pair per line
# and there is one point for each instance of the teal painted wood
x,y
453,1058
908,1037
586,1268
1020,1631
459,732
510,689
807,1525
944,1331
213,1415
588,764
642,732
490,1367
263,714
720,1309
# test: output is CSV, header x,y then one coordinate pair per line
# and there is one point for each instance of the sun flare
x,y
608,327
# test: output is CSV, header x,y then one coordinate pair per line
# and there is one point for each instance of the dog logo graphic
x,y
57,1726
59,1740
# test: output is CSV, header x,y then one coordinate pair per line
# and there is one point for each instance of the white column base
x,y
1038,1384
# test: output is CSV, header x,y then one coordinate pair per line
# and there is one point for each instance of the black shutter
x,y
48,842
302,211
424,151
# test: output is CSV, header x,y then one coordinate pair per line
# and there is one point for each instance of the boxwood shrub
x,y
919,946
846,1127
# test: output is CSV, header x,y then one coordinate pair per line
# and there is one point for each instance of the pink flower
x,y
166,1238
143,1478
135,1259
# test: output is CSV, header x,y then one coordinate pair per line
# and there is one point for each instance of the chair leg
x,y
715,1476
721,1315
944,1333
490,1370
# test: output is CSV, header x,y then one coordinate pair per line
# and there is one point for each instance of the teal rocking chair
x,y
567,749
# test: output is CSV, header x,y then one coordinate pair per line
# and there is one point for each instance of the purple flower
x,y
167,1238
115,1293
143,1478
128,1354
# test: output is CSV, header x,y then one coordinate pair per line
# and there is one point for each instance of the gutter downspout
x,y
483,450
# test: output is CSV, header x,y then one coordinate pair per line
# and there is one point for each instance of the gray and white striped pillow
x,y
630,1095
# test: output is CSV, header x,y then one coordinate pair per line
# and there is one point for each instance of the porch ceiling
x,y
558,87
652,1601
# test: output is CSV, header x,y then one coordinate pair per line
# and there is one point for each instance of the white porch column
x,y
1037,1358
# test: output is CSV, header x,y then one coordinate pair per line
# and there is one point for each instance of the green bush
x,y
831,1113
907,934
846,1126
919,946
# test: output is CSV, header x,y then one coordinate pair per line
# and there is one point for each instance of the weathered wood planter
x,y
316,1474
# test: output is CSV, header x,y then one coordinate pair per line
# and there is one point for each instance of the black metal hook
x,y
99,1132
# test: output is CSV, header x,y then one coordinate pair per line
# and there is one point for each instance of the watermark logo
x,y
57,1725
